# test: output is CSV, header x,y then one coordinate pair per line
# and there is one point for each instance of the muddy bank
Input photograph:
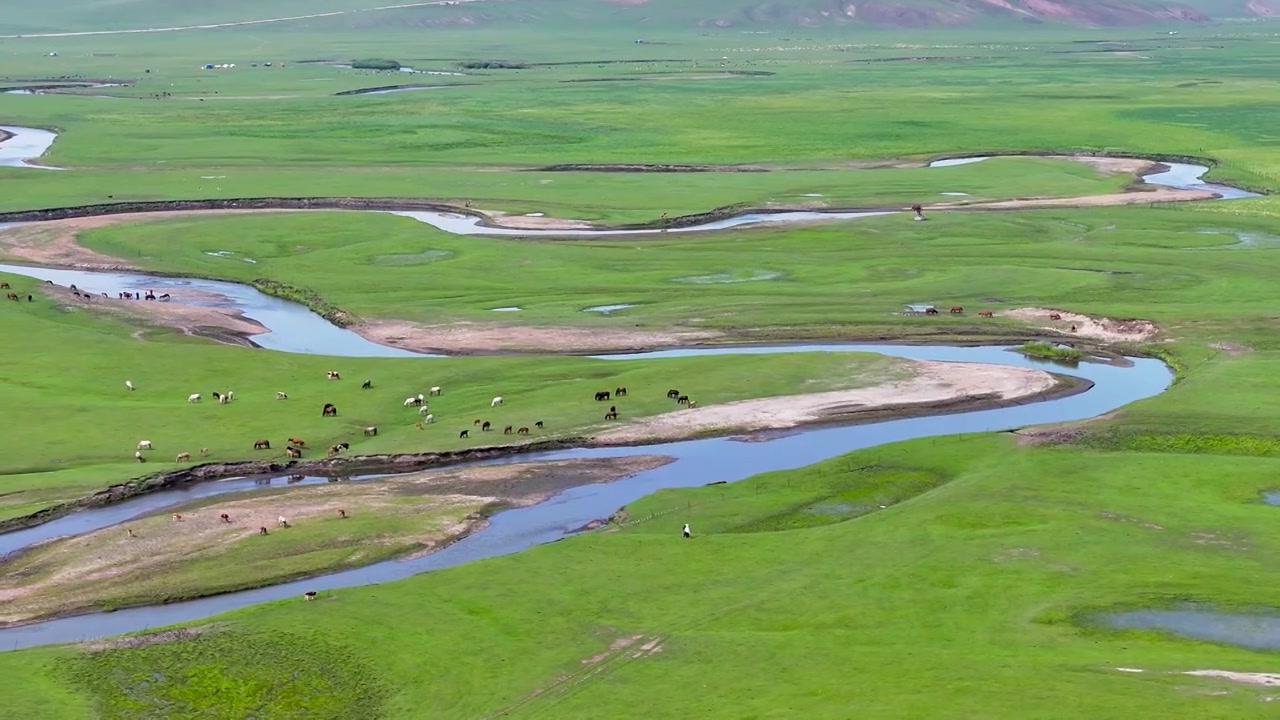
x,y
263,203
153,559
933,388
333,466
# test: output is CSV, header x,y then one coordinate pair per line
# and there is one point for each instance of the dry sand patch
x,y
932,383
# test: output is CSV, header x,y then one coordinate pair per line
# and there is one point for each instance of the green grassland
x,y
966,596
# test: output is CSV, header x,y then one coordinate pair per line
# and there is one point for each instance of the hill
x,y
90,16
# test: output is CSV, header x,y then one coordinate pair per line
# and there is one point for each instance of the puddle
x,y
607,309
505,309
1271,497
956,194
952,162
422,258
812,195
1245,240
229,255
729,278
1257,632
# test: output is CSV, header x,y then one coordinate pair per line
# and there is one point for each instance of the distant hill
x,y
115,15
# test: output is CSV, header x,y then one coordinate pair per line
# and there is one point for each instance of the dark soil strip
x,y
410,86
333,466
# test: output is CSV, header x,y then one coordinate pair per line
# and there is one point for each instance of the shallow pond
x,y
1256,632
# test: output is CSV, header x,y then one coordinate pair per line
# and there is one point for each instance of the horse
x,y
1055,316
931,311
507,430
366,385
371,430
602,395
611,415
262,530
262,444
310,594
682,400
329,411
12,296
225,518
334,450
523,431
4,286
496,401
464,434
538,424
297,441
620,392
484,426
333,375
177,517
957,310
673,394
985,313
342,513
293,452
282,395
183,457
434,391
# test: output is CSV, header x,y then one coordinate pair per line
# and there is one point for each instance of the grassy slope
x,y
969,616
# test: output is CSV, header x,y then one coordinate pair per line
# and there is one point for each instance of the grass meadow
x,y
968,595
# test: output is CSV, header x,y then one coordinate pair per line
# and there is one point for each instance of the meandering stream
x,y
293,328
697,462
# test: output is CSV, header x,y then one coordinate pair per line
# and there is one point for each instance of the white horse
x,y
144,444
128,384
429,419
435,390
424,410
496,401
193,397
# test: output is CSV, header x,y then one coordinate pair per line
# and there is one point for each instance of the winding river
x,y
697,462
293,328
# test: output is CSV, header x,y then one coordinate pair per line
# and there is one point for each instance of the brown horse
x,y
12,296
931,311
957,310
507,430
297,441
4,286
293,452
329,411
523,431
1055,316
985,313
261,444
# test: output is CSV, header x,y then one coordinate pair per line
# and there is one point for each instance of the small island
x,y
375,64
1051,351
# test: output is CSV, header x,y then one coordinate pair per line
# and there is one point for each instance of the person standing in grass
x,y
687,534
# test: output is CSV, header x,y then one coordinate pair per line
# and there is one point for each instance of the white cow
x,y
193,397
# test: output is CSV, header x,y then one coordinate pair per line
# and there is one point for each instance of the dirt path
x,y
469,338
934,383
240,23
162,557
1124,198
1106,329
